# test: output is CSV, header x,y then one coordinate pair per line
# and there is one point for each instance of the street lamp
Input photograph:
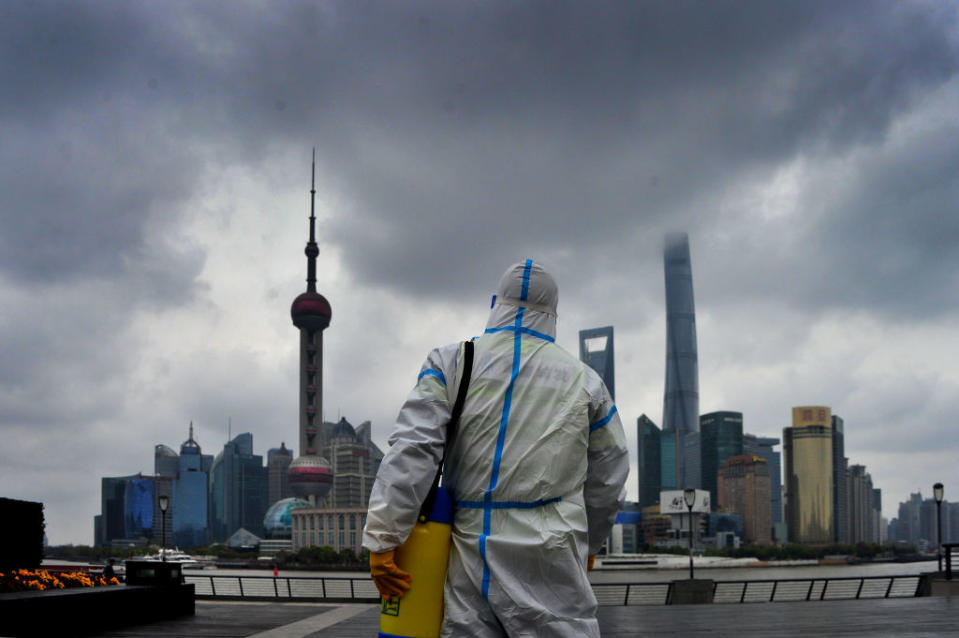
x,y
937,494
689,496
164,502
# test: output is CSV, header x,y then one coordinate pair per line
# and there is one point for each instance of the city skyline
x,y
154,206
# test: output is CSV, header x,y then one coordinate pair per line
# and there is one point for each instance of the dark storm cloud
x,y
454,139
462,130
91,180
465,129
602,125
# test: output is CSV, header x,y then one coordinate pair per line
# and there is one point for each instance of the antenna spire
x,y
312,250
313,197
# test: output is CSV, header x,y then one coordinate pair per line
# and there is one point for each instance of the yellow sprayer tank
x,y
425,555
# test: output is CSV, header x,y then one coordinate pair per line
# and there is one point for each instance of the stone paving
x,y
901,617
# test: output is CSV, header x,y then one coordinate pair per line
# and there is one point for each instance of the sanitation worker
x,y
537,468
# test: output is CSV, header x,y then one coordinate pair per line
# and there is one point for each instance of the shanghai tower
x,y
681,397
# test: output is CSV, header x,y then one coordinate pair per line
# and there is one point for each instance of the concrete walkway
x,y
900,617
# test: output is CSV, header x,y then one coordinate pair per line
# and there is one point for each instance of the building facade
x,y
721,437
743,487
648,461
669,475
354,460
332,520
840,482
238,489
808,461
764,448
278,461
339,528
191,490
596,351
126,510
681,396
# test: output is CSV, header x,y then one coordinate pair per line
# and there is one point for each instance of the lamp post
x,y
164,502
937,494
689,497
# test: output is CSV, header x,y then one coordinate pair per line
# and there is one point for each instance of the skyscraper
x,y
165,460
840,482
191,490
310,474
743,486
238,490
861,497
596,351
648,461
278,461
721,435
127,510
669,450
807,452
681,396
763,448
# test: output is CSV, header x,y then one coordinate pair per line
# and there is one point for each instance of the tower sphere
x,y
310,475
311,311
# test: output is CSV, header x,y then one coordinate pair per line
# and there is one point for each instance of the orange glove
x,y
389,579
589,562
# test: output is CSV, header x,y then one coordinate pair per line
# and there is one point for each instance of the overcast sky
x,y
154,203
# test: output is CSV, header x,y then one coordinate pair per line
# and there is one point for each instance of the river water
x,y
654,575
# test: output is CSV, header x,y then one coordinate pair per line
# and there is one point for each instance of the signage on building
x,y
671,502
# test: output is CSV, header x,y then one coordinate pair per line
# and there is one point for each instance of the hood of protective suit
x,y
536,293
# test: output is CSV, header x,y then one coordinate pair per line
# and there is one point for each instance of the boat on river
x,y
176,556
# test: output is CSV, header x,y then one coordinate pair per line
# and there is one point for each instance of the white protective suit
x,y
537,469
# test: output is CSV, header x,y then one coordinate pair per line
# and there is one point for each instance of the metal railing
x,y
295,588
947,553
795,589
362,590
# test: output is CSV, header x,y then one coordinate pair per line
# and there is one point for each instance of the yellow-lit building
x,y
808,480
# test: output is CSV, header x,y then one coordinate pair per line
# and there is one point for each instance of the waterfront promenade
x,y
901,617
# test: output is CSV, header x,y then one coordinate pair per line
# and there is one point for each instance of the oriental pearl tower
x,y
310,474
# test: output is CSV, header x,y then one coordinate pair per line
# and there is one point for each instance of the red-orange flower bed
x,y
41,580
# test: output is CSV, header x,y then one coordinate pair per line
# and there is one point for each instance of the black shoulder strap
x,y
450,427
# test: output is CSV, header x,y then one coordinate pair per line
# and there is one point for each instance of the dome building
x,y
278,522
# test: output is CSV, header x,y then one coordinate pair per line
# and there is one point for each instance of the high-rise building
x,y
763,448
310,474
907,528
807,452
840,482
596,351
126,510
692,460
238,489
355,463
339,516
278,461
191,489
743,485
681,395
165,461
721,437
878,522
861,499
669,460
648,464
